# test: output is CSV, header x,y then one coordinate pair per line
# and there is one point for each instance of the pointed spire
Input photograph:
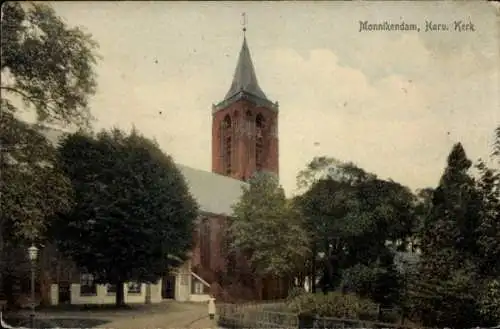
x,y
244,78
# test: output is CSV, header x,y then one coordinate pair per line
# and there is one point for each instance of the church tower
x,y
245,125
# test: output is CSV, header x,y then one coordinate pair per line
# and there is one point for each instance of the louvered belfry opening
x,y
227,144
259,142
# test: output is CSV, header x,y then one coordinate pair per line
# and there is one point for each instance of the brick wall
x,y
243,140
229,284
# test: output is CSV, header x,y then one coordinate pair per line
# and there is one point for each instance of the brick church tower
x,y
245,126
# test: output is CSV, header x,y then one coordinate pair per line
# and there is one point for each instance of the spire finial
x,y
244,22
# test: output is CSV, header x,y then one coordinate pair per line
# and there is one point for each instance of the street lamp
x,y
32,255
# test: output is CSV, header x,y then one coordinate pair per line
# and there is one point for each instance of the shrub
x,y
392,315
334,304
295,292
489,302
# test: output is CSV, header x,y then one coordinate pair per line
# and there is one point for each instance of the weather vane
x,y
244,22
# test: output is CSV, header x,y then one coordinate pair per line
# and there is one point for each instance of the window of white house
x,y
134,288
87,284
111,289
198,287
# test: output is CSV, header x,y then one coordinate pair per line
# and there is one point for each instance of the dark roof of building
x,y
244,78
215,194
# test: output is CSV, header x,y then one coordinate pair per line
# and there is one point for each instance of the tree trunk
x,y
148,293
120,296
329,272
259,286
8,284
300,281
313,269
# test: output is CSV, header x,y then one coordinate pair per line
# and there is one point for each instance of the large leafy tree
x,y
488,235
447,271
33,187
324,205
45,63
134,217
32,190
46,67
488,230
267,228
351,215
423,206
50,68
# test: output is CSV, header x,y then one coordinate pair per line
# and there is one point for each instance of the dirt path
x,y
192,316
166,315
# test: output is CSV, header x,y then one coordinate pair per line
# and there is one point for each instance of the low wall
x,y
103,297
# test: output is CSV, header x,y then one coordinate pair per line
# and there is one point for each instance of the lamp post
x,y
33,255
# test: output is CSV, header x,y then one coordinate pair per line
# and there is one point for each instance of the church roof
x,y
214,193
244,78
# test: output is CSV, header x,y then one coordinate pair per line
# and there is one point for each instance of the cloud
x,y
355,118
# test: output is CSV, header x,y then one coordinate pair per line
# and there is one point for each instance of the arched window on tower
x,y
227,144
236,122
248,123
259,141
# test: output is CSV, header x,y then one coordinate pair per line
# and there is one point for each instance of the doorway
x,y
168,287
64,292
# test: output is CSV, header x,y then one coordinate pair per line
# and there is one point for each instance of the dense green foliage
x,y
50,67
33,187
134,217
46,68
267,228
333,304
459,243
45,63
434,256
351,217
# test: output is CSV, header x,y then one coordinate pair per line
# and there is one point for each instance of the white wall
x,y
183,282
182,291
102,296
199,298
156,292
54,294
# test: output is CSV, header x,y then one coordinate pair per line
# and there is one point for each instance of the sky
x,y
392,102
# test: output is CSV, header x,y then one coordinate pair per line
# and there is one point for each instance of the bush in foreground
x,y
333,304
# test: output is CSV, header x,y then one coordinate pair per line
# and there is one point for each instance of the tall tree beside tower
x,y
267,228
